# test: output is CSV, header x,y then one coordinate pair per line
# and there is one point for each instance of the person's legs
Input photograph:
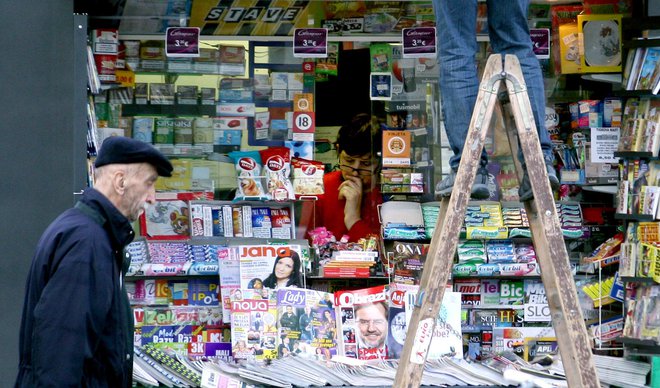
x,y
456,23
509,34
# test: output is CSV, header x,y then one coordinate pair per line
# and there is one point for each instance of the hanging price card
x,y
182,42
540,42
303,126
419,42
310,42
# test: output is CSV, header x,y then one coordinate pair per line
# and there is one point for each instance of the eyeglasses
x,y
360,171
346,163
368,322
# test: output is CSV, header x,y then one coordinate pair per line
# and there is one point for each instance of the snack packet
x,y
277,169
307,176
248,171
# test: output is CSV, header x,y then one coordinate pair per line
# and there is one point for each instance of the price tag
x,y
419,42
540,42
182,42
303,126
310,42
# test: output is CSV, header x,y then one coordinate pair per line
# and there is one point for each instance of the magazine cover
x,y
447,338
230,281
253,324
398,325
169,218
364,323
270,266
307,323
408,261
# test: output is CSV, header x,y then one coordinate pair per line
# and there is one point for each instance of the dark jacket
x,y
77,326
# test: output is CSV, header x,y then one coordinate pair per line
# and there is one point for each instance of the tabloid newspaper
x,y
363,326
253,324
307,323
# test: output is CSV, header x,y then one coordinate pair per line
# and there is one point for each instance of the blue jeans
x,y
456,22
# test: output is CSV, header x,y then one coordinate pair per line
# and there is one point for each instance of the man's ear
x,y
119,181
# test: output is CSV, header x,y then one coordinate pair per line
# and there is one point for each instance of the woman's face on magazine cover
x,y
284,268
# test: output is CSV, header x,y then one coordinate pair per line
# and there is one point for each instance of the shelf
x,y
633,155
636,93
132,278
607,189
633,217
168,110
353,37
614,78
493,307
640,346
653,42
637,279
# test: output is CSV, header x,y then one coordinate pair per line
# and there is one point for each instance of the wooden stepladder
x,y
500,75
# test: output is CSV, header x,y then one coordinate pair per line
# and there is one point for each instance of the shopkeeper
x,y
349,205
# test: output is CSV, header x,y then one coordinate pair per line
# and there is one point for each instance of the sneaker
x,y
479,187
525,191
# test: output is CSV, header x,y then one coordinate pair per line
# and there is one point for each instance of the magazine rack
x,y
567,319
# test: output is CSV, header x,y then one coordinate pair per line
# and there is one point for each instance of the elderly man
x,y
77,326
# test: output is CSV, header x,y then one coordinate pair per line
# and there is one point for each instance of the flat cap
x,y
124,150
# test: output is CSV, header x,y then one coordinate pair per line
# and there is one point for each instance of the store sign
x,y
419,42
310,42
303,126
182,42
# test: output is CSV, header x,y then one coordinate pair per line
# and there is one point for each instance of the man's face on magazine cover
x,y
372,323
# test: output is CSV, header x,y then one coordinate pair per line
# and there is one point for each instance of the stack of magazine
x,y
343,371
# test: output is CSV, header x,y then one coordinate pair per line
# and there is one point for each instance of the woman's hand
x,y
351,190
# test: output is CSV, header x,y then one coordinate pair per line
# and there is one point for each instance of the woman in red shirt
x,y
349,205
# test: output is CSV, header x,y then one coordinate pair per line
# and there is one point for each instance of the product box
x,y
279,80
612,111
227,137
208,96
586,114
295,81
203,130
179,64
183,131
161,94
235,109
239,123
143,129
279,95
141,93
164,131
186,94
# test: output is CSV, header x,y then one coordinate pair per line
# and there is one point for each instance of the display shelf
x,y
640,347
493,307
647,42
168,110
609,78
637,279
133,278
606,189
633,217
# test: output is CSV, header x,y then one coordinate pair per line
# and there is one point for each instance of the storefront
x,y
246,100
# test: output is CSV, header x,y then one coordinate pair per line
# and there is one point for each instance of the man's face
x,y
373,325
140,190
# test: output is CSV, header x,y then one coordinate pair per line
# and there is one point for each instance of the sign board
x,y
310,42
182,42
419,42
